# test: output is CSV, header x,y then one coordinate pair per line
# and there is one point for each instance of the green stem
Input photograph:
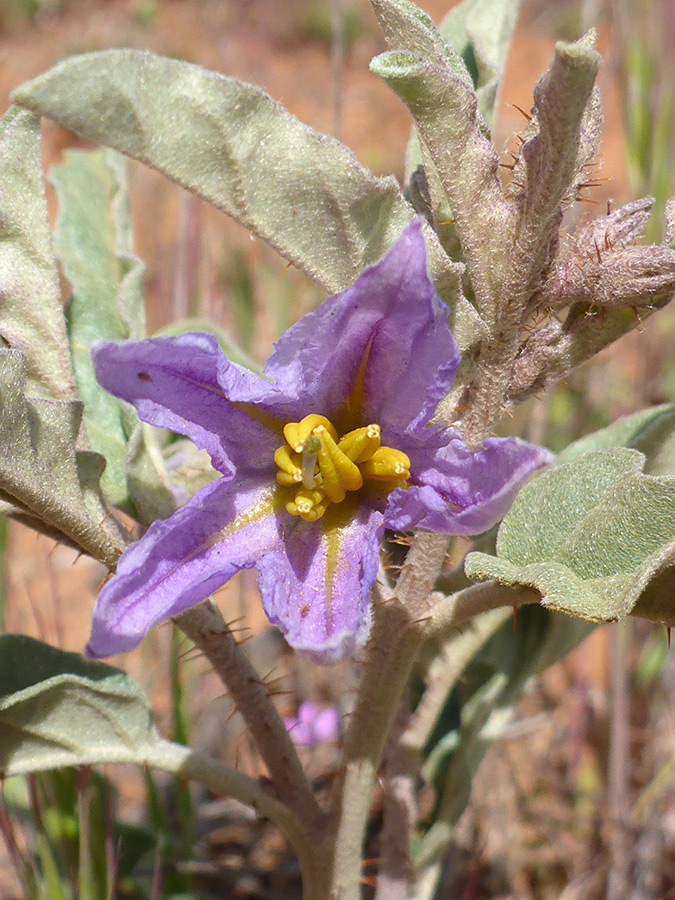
x,y
448,613
395,641
399,809
205,627
401,624
223,780
392,653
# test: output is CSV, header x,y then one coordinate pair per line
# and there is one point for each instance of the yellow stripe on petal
x,y
267,505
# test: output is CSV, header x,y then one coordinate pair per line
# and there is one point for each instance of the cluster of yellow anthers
x,y
325,468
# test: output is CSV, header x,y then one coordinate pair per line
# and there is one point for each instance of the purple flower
x,y
317,458
314,725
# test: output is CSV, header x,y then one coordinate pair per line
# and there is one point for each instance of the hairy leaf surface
x,y
93,240
58,709
230,143
589,535
31,316
40,472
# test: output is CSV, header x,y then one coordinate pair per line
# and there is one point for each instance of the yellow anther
x,y
386,464
310,505
285,478
287,460
296,433
361,443
338,473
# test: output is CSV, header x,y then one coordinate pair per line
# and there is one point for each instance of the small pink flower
x,y
313,725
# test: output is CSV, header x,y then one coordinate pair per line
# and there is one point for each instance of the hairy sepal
x,y
445,111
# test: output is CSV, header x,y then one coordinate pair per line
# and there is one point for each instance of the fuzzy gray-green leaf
x,y
480,32
39,467
230,143
408,28
559,139
589,535
58,709
474,38
651,431
93,242
31,316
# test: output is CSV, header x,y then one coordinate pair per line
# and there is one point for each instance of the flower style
x,y
317,457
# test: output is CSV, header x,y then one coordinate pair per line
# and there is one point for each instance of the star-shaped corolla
x,y
317,457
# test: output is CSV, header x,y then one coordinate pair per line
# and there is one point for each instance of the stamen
x,y
386,464
310,505
323,469
285,478
296,433
289,466
361,443
339,474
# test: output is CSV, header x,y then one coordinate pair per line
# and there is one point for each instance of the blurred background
x,y
576,798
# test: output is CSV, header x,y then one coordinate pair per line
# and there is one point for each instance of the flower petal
x,y
300,731
392,319
173,383
462,490
181,560
327,725
316,587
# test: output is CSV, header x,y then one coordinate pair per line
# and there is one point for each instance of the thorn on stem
x,y
587,200
640,327
521,111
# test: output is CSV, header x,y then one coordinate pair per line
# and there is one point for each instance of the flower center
x,y
324,467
